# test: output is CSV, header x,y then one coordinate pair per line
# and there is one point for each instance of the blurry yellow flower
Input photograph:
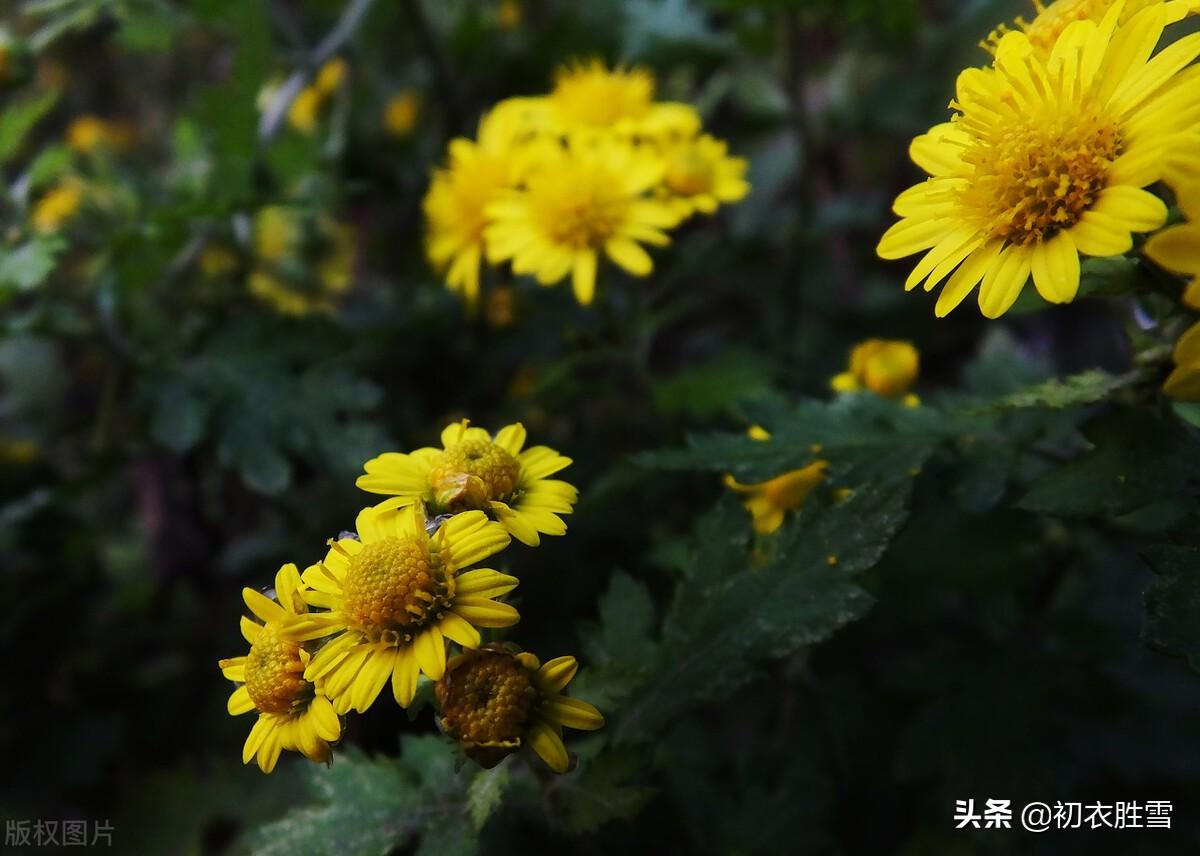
x,y
217,260
700,176
508,14
501,307
86,134
580,202
589,97
330,76
305,110
395,594
455,210
769,501
1184,381
278,232
19,451
1046,160
57,206
493,702
886,368
306,260
1178,248
293,714
473,470
401,112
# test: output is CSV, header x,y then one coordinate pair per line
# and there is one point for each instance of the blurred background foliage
x,y
170,432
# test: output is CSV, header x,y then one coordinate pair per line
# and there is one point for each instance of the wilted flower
x,y
493,702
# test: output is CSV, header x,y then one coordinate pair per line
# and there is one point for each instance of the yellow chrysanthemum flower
x,y
700,176
401,112
588,97
493,701
395,594
1178,248
886,368
292,712
57,206
1045,160
473,470
455,215
581,201
1184,381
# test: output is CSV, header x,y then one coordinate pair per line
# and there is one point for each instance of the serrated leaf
x,y
371,806
179,417
1173,601
1073,391
604,791
1137,460
713,641
486,792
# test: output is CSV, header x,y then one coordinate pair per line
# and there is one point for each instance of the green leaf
x,y
1138,460
486,792
713,388
52,162
18,120
29,264
797,592
620,647
603,791
1073,391
372,806
179,417
1173,601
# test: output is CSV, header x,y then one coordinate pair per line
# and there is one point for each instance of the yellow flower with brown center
x,y
474,470
493,702
887,368
1053,18
579,202
395,594
1046,159
1177,248
700,176
1184,381
57,206
401,112
292,712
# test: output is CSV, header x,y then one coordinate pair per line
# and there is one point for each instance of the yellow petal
x,y
1176,249
573,713
1004,281
557,673
1055,268
485,613
549,746
430,649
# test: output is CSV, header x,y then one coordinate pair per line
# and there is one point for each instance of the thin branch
x,y
272,118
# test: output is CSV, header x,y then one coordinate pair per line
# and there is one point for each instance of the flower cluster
x,y
551,184
1049,153
390,598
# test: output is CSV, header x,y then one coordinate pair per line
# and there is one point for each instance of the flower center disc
x,y
274,673
487,699
391,585
1035,179
471,473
